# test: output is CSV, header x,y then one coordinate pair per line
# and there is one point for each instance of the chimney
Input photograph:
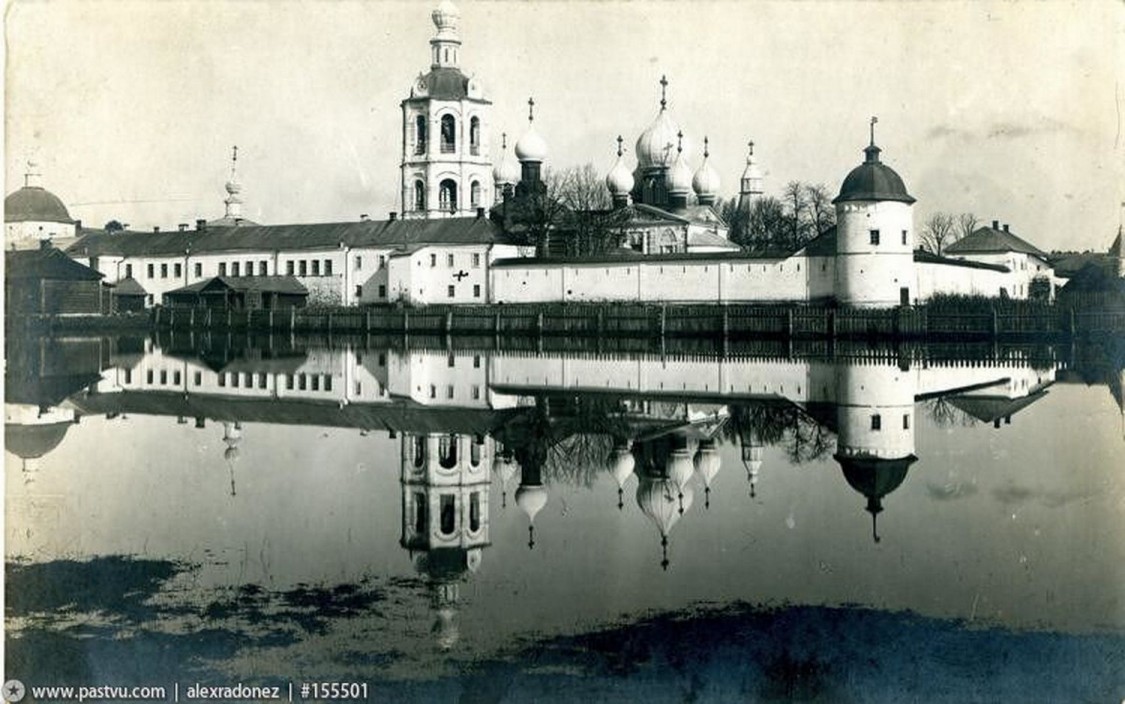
x,y
995,224
155,229
1005,227
394,216
78,226
363,217
183,227
201,225
480,212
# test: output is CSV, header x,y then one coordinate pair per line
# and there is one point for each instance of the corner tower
x,y
446,168
874,236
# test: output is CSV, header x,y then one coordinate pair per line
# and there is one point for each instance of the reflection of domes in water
x,y
531,499
620,464
33,441
707,462
875,478
660,500
447,564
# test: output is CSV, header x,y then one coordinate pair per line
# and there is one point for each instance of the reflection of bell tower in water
x,y
445,483
875,429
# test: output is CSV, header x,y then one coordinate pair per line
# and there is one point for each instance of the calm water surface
x,y
491,525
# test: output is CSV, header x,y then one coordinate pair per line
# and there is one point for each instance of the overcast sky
x,y
1011,110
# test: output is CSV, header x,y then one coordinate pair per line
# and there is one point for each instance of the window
x,y
315,382
303,268
234,380
474,136
289,268
128,271
263,268
419,195
316,267
474,511
128,376
474,194
261,380
906,421
447,195
151,268
433,391
289,381
448,134
358,388
448,514
419,134
176,378
163,271
359,292
874,236
451,361
249,268
177,270
198,379
382,261
382,291
222,379
419,513
476,361
904,236
476,290
235,269
476,260
449,391
163,377
198,270
327,382
358,263
449,260
328,267
476,392
451,291
876,422
301,382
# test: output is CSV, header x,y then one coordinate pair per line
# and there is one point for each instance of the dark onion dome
x,y
446,83
33,441
35,204
874,478
873,180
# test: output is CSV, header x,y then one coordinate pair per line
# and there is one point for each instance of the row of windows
x,y
874,236
447,513
453,361
302,267
359,262
448,126
449,260
451,291
447,195
474,392
877,421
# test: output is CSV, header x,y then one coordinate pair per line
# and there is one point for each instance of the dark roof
x,y
318,236
873,180
31,441
445,83
32,203
822,246
129,287
227,221
1094,277
1067,264
47,263
991,408
925,257
989,240
266,284
632,257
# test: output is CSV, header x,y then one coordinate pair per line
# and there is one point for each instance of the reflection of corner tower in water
x,y
445,483
875,429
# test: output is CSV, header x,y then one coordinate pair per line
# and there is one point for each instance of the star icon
x,y
13,691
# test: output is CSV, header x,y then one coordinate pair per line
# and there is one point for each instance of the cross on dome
x,y
531,109
874,119
751,143
663,93
706,152
621,149
680,142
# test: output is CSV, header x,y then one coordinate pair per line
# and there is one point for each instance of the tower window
x,y
448,514
419,195
448,134
904,236
474,194
876,422
874,236
420,134
474,511
419,513
358,262
447,195
906,421
474,136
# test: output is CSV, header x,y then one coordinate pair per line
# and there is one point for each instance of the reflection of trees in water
x,y
780,423
946,415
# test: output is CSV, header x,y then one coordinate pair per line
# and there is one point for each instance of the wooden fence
x,y
722,322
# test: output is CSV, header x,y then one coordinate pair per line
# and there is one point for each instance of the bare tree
x,y
794,195
820,207
766,225
966,224
938,233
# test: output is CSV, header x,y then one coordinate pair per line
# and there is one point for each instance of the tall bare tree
x,y
966,224
820,208
938,233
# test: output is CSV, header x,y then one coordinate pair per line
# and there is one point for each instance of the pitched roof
x,y
924,257
991,408
129,287
632,257
316,236
47,263
266,284
702,238
990,240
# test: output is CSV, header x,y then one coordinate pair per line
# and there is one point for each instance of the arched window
x,y
448,134
474,194
420,134
447,451
419,450
419,513
447,195
474,511
448,509
474,136
419,195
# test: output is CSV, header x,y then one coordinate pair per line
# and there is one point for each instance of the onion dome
x,y
620,179
874,478
679,470
33,203
679,176
707,464
658,499
873,180
621,464
507,169
504,466
34,441
446,17
232,436
531,499
656,146
531,146
706,180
